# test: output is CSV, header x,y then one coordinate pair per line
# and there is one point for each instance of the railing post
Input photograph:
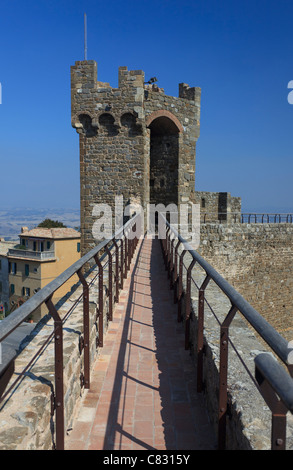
x,y
116,271
126,244
175,272
59,386
166,250
86,330
278,440
188,304
200,330
172,263
279,412
223,390
110,283
180,286
6,376
132,243
100,314
129,253
121,264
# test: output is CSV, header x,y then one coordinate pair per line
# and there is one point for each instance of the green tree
x,y
48,223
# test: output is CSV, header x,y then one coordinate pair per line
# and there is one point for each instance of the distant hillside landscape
x,y
11,220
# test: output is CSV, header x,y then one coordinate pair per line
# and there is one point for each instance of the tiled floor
x,y
143,392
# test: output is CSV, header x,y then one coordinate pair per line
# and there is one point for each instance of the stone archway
x,y
167,120
164,157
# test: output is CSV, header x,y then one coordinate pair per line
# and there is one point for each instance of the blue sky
x,y
239,52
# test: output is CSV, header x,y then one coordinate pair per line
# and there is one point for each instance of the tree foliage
x,y
48,223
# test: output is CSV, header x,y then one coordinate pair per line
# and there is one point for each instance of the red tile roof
x,y
55,233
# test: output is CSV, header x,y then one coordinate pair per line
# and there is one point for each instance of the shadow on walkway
x,y
153,403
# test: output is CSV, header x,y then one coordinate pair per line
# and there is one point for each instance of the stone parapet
x,y
257,260
249,418
26,416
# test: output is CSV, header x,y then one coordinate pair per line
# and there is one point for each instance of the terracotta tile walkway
x,y
143,391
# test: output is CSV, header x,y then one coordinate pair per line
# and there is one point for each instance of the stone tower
x,y
135,142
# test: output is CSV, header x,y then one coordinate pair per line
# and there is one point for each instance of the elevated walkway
x,y
143,385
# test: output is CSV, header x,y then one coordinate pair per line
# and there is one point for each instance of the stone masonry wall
x,y
187,109
257,260
117,128
218,207
111,142
249,418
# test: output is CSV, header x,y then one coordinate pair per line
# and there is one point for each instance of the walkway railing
x,y
122,245
271,378
247,217
261,218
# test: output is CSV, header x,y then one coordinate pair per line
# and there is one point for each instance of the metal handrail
x,y
124,253
11,322
248,217
273,339
265,217
277,377
265,330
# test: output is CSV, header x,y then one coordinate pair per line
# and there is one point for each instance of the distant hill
x,y
11,220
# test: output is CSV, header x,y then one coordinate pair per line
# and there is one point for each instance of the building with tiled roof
x,y
42,254
60,233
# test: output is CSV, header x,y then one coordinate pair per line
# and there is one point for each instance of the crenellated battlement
x,y
130,78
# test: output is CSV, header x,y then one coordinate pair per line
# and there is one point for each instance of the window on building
x,y
26,291
12,288
42,246
35,246
203,202
26,269
12,268
48,245
78,248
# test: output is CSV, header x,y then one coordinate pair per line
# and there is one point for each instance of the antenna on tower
x,y
85,37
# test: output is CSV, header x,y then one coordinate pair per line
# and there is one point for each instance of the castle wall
x,y
257,260
218,207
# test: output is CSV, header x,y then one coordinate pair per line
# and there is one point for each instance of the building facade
x,y
4,279
40,257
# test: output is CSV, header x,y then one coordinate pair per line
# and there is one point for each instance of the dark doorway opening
x,y
164,161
